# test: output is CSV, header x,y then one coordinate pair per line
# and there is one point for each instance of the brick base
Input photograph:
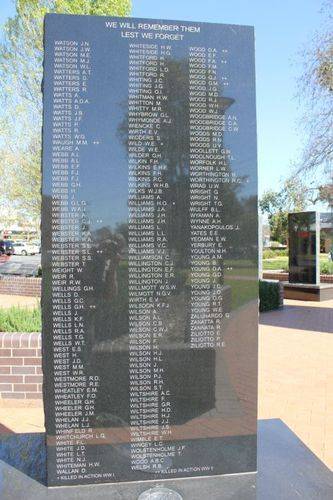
x,y
20,285
273,275
20,366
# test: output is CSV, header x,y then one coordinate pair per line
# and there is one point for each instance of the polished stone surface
x,y
308,291
149,236
160,493
304,247
288,470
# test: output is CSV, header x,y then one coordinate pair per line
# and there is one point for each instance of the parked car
x,y
6,247
25,248
38,244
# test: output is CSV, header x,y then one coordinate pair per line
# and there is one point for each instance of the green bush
x,y
326,268
269,295
268,254
281,252
20,319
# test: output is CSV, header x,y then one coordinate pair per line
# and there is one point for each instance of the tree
x,y
292,197
21,63
174,146
316,94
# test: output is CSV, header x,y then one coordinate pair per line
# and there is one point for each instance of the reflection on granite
x,y
287,470
25,452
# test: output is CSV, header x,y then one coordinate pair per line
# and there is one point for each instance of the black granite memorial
x,y
326,233
305,232
149,249
304,247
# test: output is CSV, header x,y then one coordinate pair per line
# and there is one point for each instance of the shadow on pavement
x,y
315,319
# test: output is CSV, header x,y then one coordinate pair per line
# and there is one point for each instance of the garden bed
x,y
20,319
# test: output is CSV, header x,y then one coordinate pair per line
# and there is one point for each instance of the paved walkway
x,y
18,300
295,377
296,372
21,416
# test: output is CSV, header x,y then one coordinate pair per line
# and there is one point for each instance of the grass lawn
x,y
276,263
20,319
326,266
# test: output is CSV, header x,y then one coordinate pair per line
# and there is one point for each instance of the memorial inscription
x,y
149,236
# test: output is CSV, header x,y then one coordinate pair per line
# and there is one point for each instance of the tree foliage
x,y
292,197
21,63
316,95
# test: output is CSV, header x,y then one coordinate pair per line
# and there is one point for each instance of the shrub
x,y
20,319
268,254
269,295
326,267
281,252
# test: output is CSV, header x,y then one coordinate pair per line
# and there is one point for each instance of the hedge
x,y
269,295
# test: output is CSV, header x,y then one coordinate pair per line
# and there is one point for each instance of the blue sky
x,y
282,29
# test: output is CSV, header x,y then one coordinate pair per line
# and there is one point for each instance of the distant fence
x,y
20,366
20,285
